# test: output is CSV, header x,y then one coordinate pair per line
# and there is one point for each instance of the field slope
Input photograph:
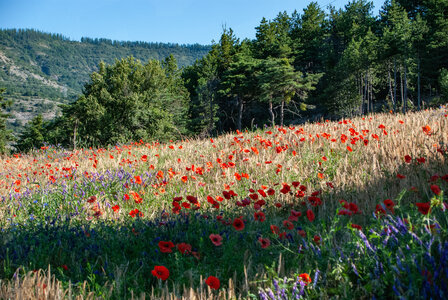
x,y
350,209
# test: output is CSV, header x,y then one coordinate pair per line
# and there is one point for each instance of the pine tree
x,y
279,83
32,136
309,32
239,81
397,38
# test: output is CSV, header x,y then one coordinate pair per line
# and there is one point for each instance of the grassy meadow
x,y
346,209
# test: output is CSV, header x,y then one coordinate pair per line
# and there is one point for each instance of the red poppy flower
x,y
192,199
271,192
423,208
315,201
310,215
216,239
91,199
210,199
238,224
427,129
253,196
353,207
379,210
302,233
356,226
344,203
400,176
135,212
226,194
285,189
259,216
116,208
237,176
295,184
288,224
144,158
305,278
435,189
260,203
275,229
421,160
213,282
445,177
407,159
161,272
292,218
184,248
316,239
138,179
344,212
165,247
137,198
264,243
296,213
389,204
300,194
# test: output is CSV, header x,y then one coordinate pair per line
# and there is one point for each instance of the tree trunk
x,y
395,85
391,90
240,113
271,112
364,98
405,88
74,134
282,112
361,93
371,97
401,89
419,101
210,124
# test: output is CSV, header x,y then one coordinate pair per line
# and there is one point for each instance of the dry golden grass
x,y
366,176
357,176
43,285
39,285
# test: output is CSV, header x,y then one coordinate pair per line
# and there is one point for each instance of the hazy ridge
x,y
41,70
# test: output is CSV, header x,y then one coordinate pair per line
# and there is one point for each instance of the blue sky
x,y
175,21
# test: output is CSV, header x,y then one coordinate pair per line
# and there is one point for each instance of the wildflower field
x,y
346,209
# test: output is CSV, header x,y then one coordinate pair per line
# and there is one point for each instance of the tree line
x,y
313,64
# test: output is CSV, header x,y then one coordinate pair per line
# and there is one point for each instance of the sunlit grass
x,y
50,217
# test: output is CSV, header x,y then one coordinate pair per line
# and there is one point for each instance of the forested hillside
x,y
40,70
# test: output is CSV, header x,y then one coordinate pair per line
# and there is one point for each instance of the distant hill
x,y
41,70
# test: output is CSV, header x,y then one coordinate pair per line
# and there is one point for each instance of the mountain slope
x,y
41,70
